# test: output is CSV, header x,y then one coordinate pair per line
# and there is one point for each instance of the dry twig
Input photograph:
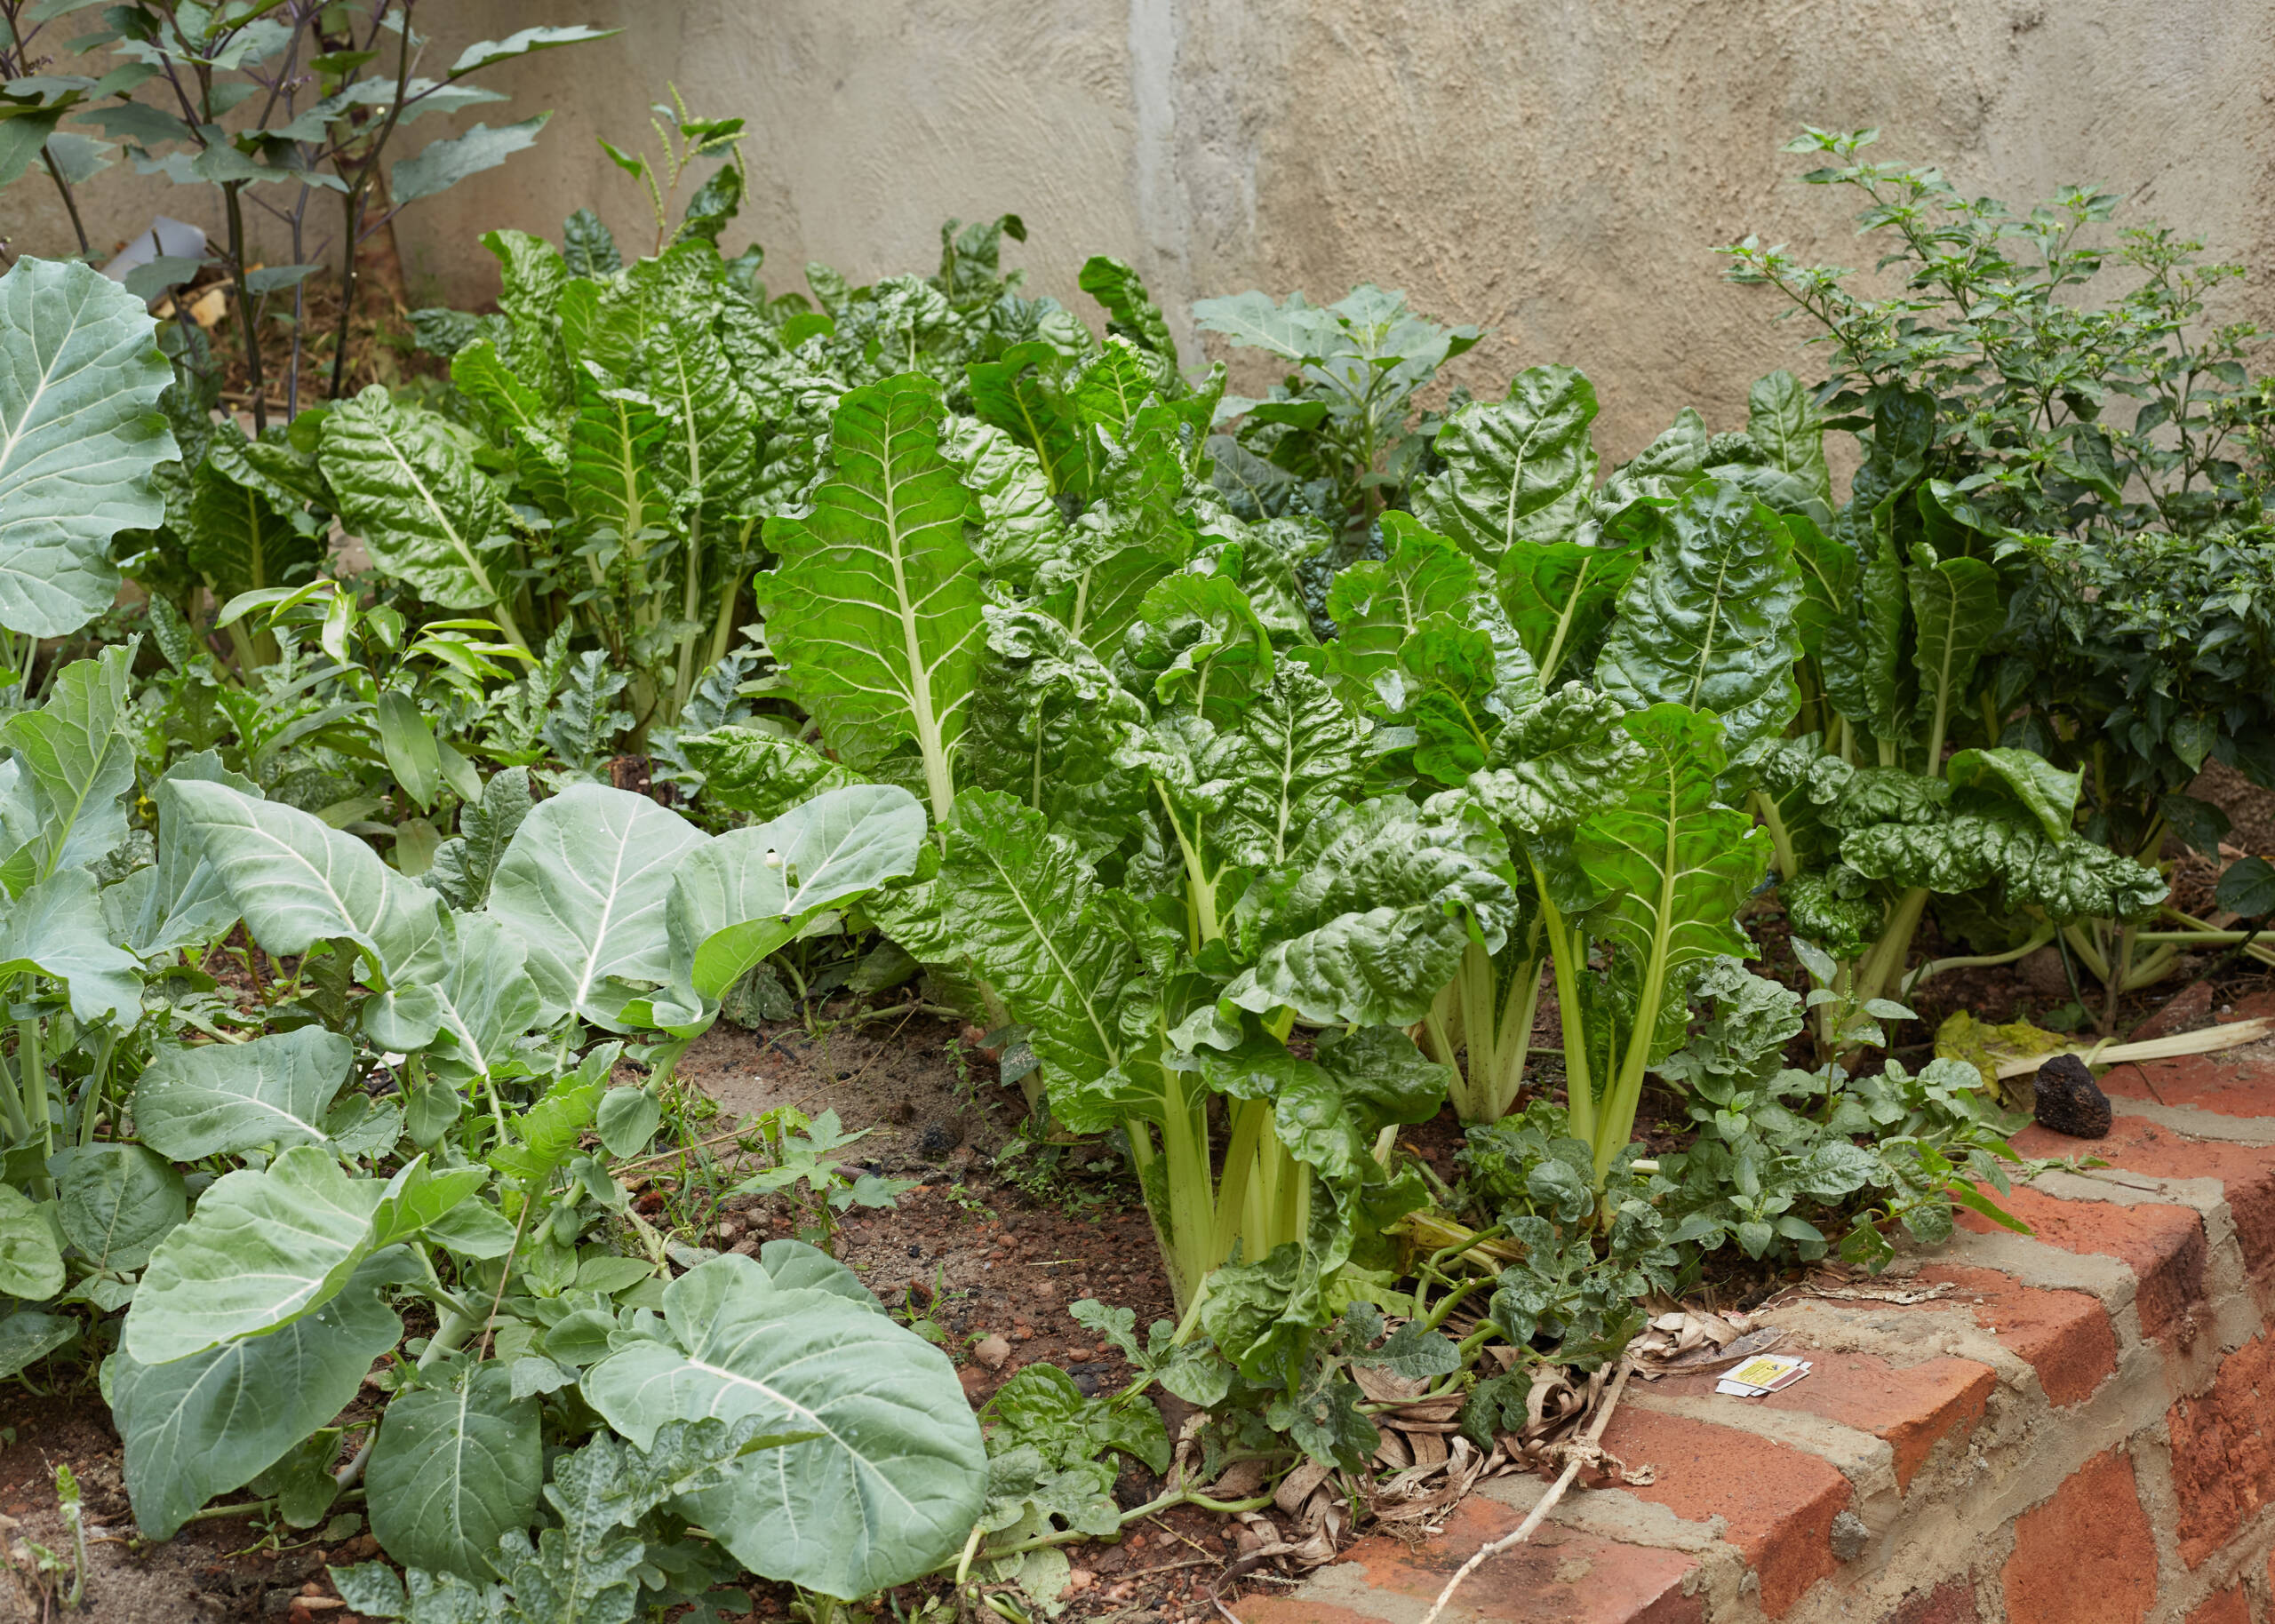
x,y
1585,1453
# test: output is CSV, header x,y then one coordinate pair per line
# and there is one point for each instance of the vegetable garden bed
x,y
880,955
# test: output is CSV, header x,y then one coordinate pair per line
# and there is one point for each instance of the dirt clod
x,y
993,1352
2069,1100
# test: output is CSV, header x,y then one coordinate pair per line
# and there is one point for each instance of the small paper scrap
x,y
1764,1373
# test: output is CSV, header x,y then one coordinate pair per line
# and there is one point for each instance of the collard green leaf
x,y
201,1426
454,1466
873,610
80,437
31,1264
414,496
750,891
891,1485
584,884
485,996
117,1201
262,1250
79,759
1517,471
1708,623
58,929
298,882
223,1099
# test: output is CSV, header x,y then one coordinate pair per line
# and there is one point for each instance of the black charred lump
x,y
2069,1100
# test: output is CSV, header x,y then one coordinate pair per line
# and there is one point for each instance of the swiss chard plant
x,y
1158,851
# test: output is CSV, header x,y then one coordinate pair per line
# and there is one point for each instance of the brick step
x,y
2079,1429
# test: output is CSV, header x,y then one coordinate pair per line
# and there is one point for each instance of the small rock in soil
x,y
2069,1100
992,1352
938,1138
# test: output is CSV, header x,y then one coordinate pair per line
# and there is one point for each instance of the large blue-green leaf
x,y
223,1099
893,1483
455,1466
201,1426
79,759
263,1249
752,890
80,436
584,885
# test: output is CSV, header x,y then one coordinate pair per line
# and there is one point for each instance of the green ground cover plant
x,y
1250,769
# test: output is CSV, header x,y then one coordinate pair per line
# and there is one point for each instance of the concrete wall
x,y
1558,169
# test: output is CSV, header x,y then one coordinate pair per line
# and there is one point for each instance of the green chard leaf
x,y
873,610
1519,471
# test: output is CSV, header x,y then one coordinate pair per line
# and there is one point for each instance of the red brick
x,y
2162,1244
1298,1609
2229,1606
2223,1450
1951,1602
2064,1336
2247,1173
1276,1609
2087,1556
1557,1577
2216,1082
1912,1406
1777,1503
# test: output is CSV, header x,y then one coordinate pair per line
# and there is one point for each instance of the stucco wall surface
x,y
1559,170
